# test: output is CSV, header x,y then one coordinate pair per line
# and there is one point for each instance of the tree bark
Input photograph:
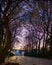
x,y
51,43
8,35
8,41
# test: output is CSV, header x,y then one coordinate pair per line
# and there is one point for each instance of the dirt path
x,y
22,60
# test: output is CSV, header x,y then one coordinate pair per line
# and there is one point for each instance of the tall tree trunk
x,y
8,40
51,42
39,45
8,34
47,29
36,45
44,40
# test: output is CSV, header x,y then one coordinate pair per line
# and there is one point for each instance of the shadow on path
x,y
12,64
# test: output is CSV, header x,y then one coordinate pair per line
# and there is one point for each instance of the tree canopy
x,y
35,16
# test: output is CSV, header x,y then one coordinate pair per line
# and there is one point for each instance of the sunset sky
x,y
21,34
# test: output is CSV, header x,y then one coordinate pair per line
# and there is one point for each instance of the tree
x,y
8,34
14,12
6,6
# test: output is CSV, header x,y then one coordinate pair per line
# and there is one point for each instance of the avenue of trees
x,y
36,16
